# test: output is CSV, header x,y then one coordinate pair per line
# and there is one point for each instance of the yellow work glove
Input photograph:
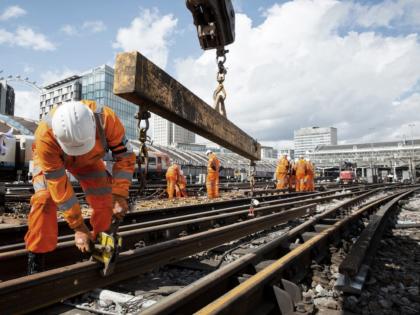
x,y
82,238
120,206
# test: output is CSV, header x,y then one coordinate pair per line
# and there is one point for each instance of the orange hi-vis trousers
x,y
309,186
282,181
300,183
42,221
212,185
171,186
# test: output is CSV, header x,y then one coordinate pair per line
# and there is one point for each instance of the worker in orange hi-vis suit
x,y
74,137
282,170
182,185
172,177
310,174
300,168
292,175
212,181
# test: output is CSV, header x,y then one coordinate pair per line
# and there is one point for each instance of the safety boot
x,y
36,263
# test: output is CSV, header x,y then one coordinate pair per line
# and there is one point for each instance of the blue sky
x,y
354,65
86,50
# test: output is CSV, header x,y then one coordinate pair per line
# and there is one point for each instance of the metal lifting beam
x,y
140,81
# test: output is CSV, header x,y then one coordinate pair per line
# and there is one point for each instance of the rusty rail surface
x,y
29,293
202,292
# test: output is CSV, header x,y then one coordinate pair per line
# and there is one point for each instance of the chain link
x,y
143,157
220,94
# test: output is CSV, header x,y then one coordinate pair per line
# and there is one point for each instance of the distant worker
x,y
282,172
292,175
182,185
300,168
310,174
74,137
212,181
172,178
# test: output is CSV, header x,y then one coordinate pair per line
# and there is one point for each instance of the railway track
x,y
262,282
13,256
77,278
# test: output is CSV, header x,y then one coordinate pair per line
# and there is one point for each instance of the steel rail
x,y
286,204
212,286
30,293
258,290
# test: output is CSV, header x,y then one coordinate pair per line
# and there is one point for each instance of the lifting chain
x,y
219,94
252,174
143,157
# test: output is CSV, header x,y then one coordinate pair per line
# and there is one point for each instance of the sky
x,y
353,65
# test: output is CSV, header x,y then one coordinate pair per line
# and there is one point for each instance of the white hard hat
x,y
208,152
181,172
296,160
288,158
307,159
74,127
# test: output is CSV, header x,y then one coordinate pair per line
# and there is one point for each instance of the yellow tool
x,y
107,247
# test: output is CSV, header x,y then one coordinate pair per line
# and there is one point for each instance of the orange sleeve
x,y
124,157
48,156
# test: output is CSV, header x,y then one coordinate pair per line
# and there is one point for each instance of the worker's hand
x,y
82,238
120,206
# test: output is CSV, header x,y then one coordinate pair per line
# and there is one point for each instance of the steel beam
x,y
140,81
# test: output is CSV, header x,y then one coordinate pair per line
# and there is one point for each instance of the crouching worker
x,y
182,184
74,137
172,178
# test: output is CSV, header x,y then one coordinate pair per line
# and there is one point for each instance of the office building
x,y
307,139
95,84
168,133
7,99
268,152
289,152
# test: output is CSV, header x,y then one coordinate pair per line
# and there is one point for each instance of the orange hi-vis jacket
x,y
213,167
53,162
172,177
300,168
282,166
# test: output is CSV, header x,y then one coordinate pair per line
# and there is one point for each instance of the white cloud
x,y
69,30
26,37
149,33
12,12
299,68
27,104
50,76
94,26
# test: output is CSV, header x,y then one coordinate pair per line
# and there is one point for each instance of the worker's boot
x,y
36,263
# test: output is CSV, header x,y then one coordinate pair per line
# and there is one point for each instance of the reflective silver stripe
x,y
39,186
36,171
123,175
93,175
122,155
98,191
68,204
55,174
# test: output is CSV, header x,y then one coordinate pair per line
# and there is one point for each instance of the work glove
x,y
82,238
120,206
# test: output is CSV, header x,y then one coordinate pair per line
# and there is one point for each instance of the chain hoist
x,y
143,157
219,94
252,174
215,22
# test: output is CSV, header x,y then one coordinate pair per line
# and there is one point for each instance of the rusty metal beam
x,y
140,81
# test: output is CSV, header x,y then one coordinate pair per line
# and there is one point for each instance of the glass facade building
x,y
97,85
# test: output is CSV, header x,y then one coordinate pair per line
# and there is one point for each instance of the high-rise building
x,y
7,99
306,139
95,84
168,133
289,152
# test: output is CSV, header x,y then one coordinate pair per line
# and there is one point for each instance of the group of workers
x,y
177,182
295,175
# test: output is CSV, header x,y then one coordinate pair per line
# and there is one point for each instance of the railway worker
x,y
292,175
310,174
74,137
300,168
282,172
212,180
182,185
172,178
